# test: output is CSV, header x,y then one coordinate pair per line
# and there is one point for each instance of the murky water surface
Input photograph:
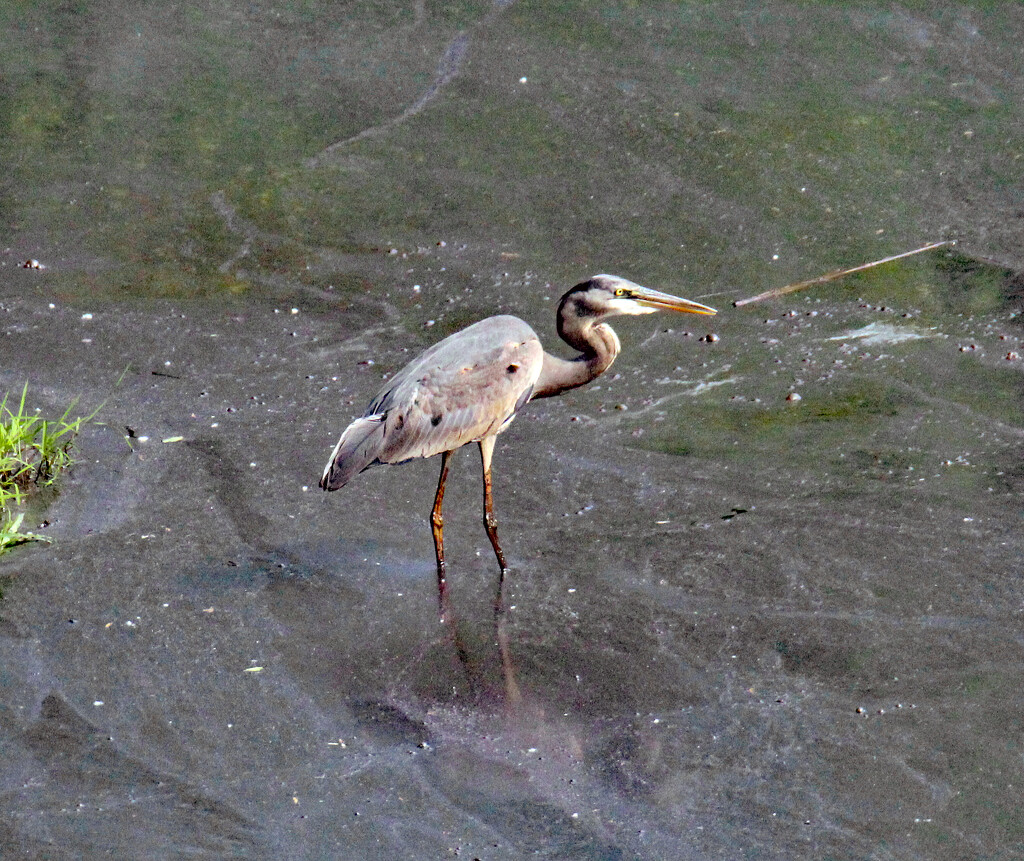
x,y
765,597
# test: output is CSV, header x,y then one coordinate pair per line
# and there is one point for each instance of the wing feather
x,y
358,447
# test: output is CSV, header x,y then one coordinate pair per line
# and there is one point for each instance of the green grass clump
x,y
33,451
11,534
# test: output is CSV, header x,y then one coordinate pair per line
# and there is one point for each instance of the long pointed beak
x,y
668,302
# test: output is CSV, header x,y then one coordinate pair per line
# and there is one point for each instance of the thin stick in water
x,y
832,276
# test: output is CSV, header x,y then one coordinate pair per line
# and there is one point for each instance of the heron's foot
x,y
499,597
442,593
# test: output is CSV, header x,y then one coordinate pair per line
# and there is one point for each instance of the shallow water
x,y
742,623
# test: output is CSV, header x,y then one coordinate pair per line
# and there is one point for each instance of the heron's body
x,y
463,389
468,388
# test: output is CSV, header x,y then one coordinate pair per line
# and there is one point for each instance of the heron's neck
x,y
598,346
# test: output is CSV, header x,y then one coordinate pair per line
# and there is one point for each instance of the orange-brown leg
x,y
437,527
513,697
490,521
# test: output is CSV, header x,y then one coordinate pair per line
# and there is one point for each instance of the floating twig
x,y
832,276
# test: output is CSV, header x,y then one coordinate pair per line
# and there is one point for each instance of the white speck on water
x,y
87,316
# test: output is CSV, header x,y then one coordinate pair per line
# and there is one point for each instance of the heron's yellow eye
x,y
621,291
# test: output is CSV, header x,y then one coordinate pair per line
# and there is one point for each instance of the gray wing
x,y
464,388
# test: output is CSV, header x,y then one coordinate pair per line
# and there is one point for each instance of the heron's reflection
x,y
479,671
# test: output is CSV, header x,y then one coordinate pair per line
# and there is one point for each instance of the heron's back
x,y
464,388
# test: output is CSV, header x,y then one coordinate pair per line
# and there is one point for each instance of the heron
x,y
471,385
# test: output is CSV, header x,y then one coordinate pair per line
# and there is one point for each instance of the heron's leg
x,y
437,527
490,521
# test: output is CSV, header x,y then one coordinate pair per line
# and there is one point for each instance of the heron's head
x,y
605,296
